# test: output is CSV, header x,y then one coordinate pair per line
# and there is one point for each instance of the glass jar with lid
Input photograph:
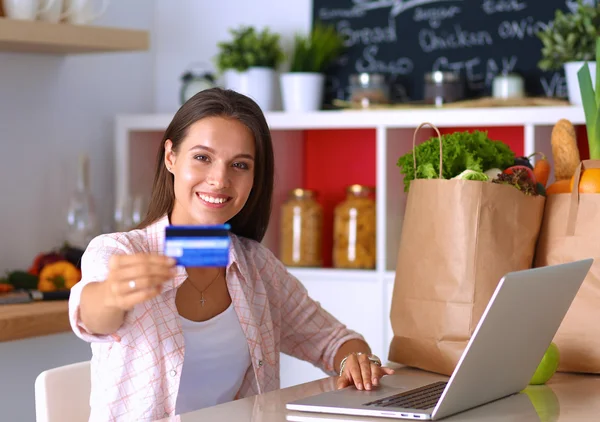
x,y
354,229
301,230
368,89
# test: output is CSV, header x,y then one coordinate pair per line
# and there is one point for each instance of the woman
x,y
168,340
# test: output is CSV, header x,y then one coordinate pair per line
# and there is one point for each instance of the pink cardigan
x,y
136,371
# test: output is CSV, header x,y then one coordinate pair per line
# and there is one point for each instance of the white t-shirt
x,y
215,362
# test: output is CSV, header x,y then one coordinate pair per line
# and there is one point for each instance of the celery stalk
x,y
589,103
597,73
591,100
595,141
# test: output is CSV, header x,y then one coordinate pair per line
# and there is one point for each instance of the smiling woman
x,y
226,140
214,171
168,340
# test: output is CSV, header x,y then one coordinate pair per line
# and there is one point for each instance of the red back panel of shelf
x,y
335,159
513,136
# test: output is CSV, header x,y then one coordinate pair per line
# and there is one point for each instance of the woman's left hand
x,y
361,372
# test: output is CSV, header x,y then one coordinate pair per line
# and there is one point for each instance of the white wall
x,y
51,109
20,363
187,31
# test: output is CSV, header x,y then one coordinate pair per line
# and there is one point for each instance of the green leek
x,y
591,104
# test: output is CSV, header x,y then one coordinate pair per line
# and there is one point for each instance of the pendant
x,y
202,299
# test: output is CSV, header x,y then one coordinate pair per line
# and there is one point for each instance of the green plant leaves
x,y
570,37
249,48
315,52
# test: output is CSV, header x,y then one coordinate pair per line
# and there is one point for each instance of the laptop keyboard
x,y
420,398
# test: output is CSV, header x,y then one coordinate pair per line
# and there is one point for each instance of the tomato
x,y
527,170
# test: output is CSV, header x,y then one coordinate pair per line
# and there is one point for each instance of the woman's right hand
x,y
134,279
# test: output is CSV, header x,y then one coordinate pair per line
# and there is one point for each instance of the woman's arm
x,y
97,317
131,280
351,346
309,332
91,320
358,368
115,277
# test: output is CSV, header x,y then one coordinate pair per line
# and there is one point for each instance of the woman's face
x,y
213,171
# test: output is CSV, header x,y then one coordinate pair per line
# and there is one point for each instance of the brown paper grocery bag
x,y
459,237
571,231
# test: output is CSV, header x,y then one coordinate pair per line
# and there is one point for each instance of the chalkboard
x,y
404,39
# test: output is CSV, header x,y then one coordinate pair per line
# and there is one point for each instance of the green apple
x,y
547,366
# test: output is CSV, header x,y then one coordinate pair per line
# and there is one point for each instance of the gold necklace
x,y
202,300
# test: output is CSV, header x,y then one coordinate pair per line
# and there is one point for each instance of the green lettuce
x,y
461,151
472,175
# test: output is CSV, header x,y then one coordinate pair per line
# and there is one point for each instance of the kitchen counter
x,y
25,320
566,398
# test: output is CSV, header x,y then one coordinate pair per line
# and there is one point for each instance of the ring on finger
x,y
132,284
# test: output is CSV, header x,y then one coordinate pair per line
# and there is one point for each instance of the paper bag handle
x,y
414,144
574,207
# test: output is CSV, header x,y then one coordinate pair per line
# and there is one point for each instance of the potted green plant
x,y
249,62
302,86
569,41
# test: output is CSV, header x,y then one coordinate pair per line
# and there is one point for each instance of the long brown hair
x,y
253,218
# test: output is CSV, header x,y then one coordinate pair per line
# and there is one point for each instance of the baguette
x,y
564,150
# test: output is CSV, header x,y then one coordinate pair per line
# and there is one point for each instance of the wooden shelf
x,y
62,38
25,320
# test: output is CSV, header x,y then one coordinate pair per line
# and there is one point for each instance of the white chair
x,y
63,394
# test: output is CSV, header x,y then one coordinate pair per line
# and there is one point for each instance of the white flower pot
x,y
257,83
302,91
236,80
573,90
261,87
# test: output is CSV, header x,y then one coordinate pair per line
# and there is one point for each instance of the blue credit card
x,y
198,246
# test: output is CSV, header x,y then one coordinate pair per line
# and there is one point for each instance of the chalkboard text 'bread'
x,y
404,39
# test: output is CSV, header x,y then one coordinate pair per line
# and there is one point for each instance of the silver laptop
x,y
516,328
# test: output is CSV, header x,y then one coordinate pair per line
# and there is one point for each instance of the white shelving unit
x,y
360,299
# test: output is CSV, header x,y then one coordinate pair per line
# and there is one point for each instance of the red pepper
x,y
43,259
